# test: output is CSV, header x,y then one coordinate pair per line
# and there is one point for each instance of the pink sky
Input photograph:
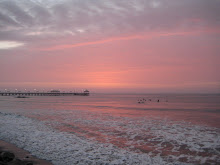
x,y
110,46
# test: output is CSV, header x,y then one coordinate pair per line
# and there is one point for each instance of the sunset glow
x,y
111,46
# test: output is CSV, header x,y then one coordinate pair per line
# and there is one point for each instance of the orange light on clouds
x,y
145,36
152,62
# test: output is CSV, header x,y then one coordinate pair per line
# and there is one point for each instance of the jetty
x,y
49,93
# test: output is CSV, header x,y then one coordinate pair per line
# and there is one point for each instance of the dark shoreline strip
x,y
22,157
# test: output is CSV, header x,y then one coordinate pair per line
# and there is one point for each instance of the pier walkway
x,y
44,94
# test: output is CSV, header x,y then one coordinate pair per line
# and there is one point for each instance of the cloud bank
x,y
48,23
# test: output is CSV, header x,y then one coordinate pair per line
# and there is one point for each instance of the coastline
x,y
21,154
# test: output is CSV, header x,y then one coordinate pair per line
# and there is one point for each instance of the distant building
x,y
86,92
55,91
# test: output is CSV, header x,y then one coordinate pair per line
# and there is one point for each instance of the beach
x,y
115,129
22,157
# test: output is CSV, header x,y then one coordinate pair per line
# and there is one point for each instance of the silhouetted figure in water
x,y
141,101
158,100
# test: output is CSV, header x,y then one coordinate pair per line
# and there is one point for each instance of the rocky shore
x,y
12,155
8,158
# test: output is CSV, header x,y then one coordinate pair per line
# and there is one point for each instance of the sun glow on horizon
x,y
137,45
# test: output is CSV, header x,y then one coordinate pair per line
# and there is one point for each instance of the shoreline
x,y
21,154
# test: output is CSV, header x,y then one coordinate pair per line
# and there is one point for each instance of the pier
x,y
50,93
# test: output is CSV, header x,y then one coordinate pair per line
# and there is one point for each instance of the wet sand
x,y
21,154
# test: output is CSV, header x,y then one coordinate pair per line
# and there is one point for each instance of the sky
x,y
141,46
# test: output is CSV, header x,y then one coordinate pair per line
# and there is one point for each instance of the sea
x,y
115,129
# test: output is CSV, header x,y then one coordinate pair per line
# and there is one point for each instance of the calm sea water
x,y
167,127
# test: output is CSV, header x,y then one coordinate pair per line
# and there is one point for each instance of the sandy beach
x,y
22,157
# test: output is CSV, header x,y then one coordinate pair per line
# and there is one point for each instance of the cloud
x,y
5,20
91,20
10,44
155,4
16,13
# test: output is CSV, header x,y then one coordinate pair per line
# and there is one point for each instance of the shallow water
x,y
177,129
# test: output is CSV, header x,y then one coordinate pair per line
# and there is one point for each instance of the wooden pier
x,y
44,93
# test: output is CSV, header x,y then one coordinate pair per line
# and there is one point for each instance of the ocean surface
x,y
115,128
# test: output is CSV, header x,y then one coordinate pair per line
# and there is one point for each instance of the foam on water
x,y
65,148
86,138
115,129
172,140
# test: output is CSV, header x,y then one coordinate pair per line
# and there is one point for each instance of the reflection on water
x,y
181,128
